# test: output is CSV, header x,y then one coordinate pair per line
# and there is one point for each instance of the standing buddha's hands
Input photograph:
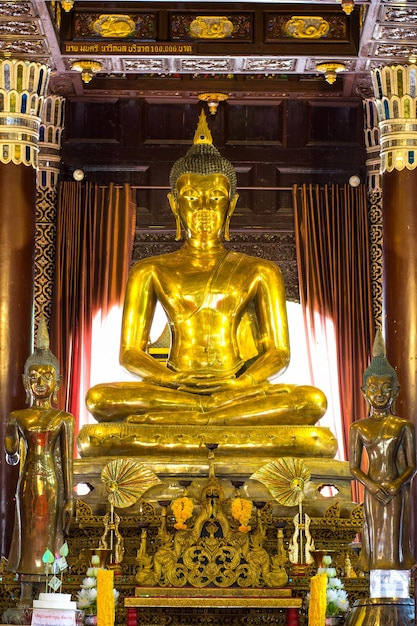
x,y
382,492
11,443
67,513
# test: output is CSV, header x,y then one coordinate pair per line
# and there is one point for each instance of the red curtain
x,y
332,241
95,231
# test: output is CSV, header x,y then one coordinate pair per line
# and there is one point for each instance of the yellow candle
x,y
105,598
317,604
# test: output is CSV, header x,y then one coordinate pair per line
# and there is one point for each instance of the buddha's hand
x,y
380,493
393,487
67,513
242,387
204,384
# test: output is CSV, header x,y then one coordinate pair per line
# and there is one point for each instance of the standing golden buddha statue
x,y
388,443
227,317
41,437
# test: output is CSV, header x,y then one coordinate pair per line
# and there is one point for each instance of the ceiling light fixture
x,y
87,69
348,6
213,100
67,5
330,70
78,174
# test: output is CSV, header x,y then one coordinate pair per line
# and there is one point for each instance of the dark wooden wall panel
x,y
271,144
333,124
254,125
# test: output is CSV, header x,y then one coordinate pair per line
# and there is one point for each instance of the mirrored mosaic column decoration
x,y
50,143
396,101
23,86
374,191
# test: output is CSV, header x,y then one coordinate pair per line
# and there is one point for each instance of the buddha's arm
x,y
376,489
355,457
11,441
408,454
138,312
67,443
271,312
273,340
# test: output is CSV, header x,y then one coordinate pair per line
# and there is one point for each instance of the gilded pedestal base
x,y
381,612
173,468
183,441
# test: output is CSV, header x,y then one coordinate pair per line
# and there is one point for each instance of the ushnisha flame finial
x,y
202,133
42,336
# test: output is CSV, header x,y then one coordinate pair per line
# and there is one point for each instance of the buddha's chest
x,y
215,290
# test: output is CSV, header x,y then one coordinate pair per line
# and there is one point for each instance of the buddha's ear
x,y
26,385
174,208
230,210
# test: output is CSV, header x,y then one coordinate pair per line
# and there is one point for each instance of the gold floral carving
x,y
307,27
212,549
115,26
208,27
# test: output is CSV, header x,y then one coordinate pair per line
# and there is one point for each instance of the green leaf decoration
x,y
64,550
48,557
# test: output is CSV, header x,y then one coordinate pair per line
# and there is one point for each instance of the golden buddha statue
x,y
227,317
388,441
42,439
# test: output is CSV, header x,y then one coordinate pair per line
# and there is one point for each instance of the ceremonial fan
x,y
286,479
125,481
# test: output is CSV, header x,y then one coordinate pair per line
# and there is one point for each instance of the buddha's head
x,y
41,377
205,171
380,380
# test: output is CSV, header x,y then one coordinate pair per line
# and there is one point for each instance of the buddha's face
x,y
202,203
380,392
41,381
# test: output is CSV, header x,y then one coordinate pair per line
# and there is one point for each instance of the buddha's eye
x,y
189,194
218,194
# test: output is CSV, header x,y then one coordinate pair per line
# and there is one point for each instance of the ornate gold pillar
x,y
22,89
395,93
50,143
374,192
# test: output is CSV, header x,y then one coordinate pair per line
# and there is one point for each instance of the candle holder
x,y
103,555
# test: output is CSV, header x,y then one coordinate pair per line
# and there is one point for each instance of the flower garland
x,y
183,510
242,511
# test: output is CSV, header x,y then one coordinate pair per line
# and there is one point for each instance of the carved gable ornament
x,y
207,27
114,26
307,27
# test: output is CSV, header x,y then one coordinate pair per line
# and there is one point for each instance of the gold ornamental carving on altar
x,y
115,26
307,27
211,27
215,542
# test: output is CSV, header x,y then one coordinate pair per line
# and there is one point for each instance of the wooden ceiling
x,y
164,50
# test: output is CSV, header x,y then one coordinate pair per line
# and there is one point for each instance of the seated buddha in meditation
x,y
226,313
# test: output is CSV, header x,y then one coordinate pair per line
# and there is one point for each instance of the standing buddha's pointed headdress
x,y
379,365
42,354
